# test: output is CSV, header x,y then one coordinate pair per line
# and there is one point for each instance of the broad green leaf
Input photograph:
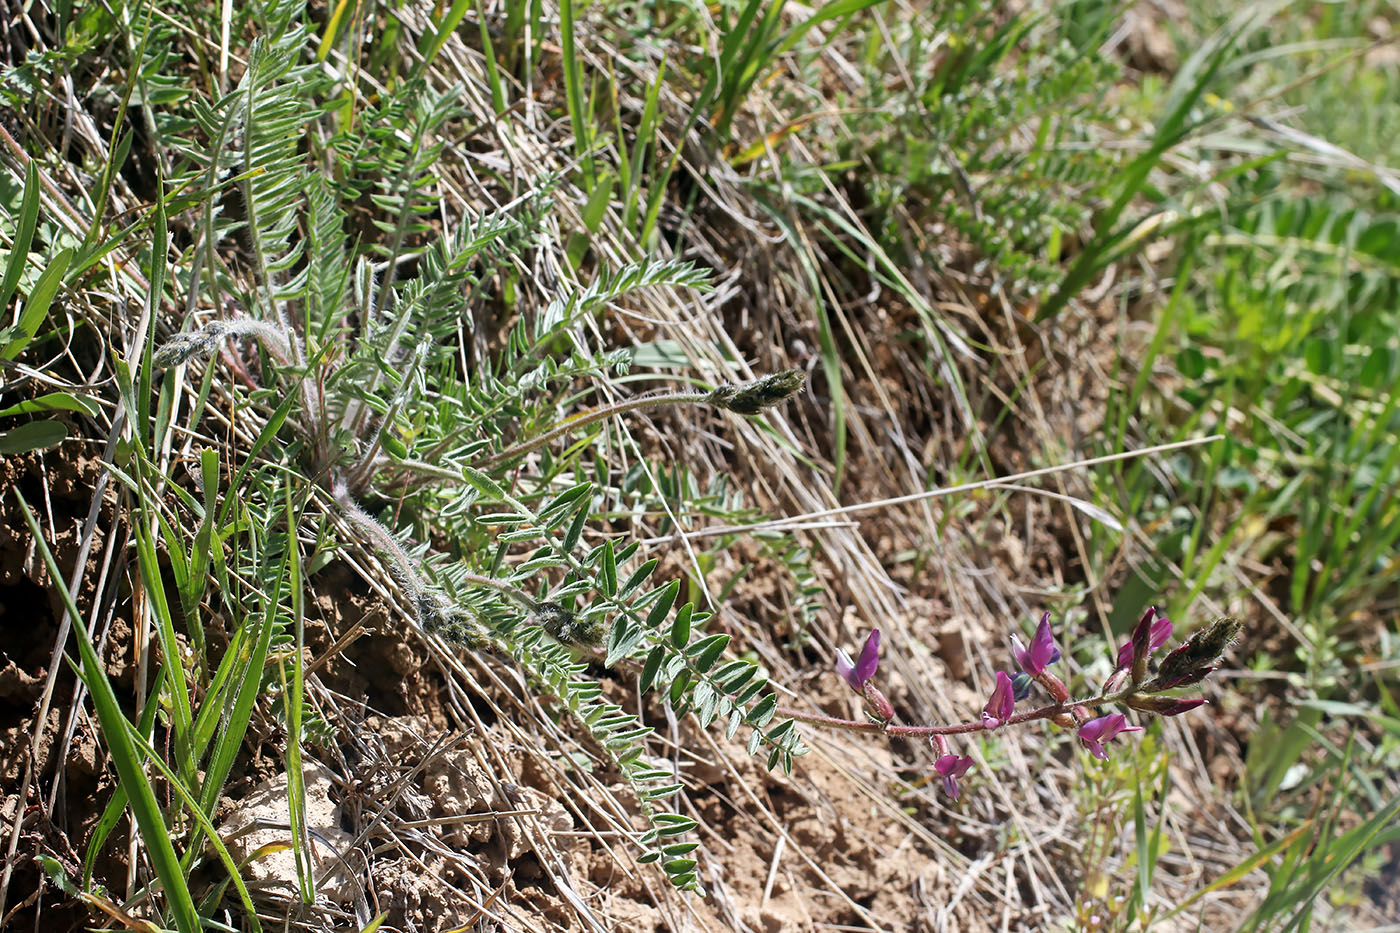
x,y
36,305
36,435
53,401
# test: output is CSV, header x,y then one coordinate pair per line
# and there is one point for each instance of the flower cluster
x,y
1129,686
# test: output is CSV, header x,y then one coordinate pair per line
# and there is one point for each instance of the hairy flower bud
x,y
184,347
568,627
752,398
1185,679
438,616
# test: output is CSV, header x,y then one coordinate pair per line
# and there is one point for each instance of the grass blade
x,y
117,732
36,306
24,235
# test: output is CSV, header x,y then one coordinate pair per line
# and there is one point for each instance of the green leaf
x,y
36,435
707,651
117,805
663,605
680,628
678,687
449,22
53,401
1262,857
483,484
576,529
638,577
733,676
608,578
149,818
665,790
762,711
651,667
706,704
36,306
673,824
626,635
24,235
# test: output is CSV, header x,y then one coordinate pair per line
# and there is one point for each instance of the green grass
x,y
1281,334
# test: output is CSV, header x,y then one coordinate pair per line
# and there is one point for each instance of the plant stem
x,y
500,586
957,728
592,416
400,562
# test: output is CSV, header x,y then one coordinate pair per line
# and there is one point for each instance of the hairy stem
x,y
500,586
592,416
957,728
399,560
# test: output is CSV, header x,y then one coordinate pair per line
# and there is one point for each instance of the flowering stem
x,y
591,416
957,728
502,587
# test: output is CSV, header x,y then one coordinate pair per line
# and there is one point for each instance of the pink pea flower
x,y
1001,704
952,767
1042,651
1095,732
1151,633
857,673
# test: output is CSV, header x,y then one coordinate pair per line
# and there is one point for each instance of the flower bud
x,y
566,626
877,703
1053,686
752,398
439,616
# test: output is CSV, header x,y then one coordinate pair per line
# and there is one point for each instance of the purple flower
x,y
1001,704
1042,652
951,767
1151,633
1095,732
856,674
